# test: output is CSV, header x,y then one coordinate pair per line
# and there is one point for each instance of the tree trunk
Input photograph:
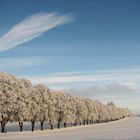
x,y
90,122
58,125
51,126
41,124
21,126
65,125
75,123
2,127
87,122
84,122
33,125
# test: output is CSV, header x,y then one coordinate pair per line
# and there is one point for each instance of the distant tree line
x,y
21,101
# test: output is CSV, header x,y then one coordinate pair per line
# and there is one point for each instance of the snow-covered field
x,y
126,129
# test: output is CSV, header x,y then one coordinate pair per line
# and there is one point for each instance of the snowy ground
x,y
126,129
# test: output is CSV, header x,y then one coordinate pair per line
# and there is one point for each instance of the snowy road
x,y
126,129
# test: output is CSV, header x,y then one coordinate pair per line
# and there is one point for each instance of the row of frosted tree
x,y
20,101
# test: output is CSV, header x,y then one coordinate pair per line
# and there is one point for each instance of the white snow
x,y
128,128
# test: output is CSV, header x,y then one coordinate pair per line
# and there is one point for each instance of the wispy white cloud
x,y
21,62
121,86
105,76
124,94
111,81
112,88
32,27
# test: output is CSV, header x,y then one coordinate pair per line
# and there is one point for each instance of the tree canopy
x,y
21,101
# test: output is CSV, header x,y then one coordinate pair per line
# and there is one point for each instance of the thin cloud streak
x,y
112,76
109,89
31,28
111,84
21,62
111,81
108,71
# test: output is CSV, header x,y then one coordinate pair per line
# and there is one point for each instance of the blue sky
x,y
91,45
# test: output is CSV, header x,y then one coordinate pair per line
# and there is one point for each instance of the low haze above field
x,y
88,47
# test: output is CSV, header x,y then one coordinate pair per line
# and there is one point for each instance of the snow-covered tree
x,y
60,108
43,104
9,89
21,101
34,107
